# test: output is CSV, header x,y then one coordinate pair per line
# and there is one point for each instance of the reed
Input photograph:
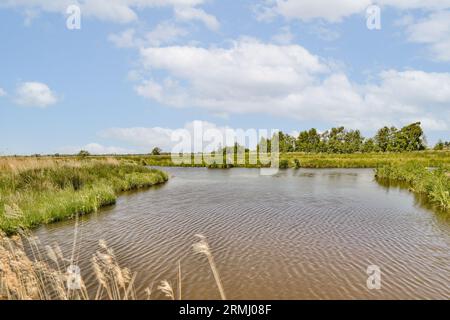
x,y
26,274
432,182
203,247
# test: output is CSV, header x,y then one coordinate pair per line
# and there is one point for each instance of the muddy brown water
x,y
301,234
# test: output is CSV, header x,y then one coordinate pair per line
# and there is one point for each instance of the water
x,y
305,234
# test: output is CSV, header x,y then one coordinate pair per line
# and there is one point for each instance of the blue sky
x,y
139,69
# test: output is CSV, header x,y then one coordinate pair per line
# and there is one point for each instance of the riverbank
x,y
316,160
434,183
35,191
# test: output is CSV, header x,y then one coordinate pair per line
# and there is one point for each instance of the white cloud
x,y
144,138
35,94
121,11
2,92
95,148
107,10
336,11
199,132
190,13
164,33
289,81
329,10
433,31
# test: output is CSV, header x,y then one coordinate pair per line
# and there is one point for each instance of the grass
x,y
37,277
37,191
317,160
432,182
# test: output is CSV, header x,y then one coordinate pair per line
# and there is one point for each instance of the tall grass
x,y
34,192
36,277
432,182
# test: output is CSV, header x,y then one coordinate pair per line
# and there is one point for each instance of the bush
x,y
284,164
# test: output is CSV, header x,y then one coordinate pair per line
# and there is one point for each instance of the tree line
x,y
342,140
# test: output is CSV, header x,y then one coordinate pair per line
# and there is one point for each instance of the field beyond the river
x,y
322,160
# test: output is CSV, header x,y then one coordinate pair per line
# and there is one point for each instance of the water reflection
x,y
420,200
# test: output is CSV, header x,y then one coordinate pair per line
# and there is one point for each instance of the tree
x,y
308,141
439,145
83,154
382,139
156,151
286,142
353,141
411,138
369,146
335,139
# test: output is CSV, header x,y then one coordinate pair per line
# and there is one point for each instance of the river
x,y
301,234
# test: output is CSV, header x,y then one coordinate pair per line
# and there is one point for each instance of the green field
x,y
319,160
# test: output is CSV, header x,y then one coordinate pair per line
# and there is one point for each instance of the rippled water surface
x,y
305,234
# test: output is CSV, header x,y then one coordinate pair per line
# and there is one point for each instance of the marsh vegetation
x,y
434,183
36,191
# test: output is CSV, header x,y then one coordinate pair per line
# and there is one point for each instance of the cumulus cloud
x,y
191,13
120,11
144,138
35,94
336,11
2,92
433,31
194,136
96,148
289,81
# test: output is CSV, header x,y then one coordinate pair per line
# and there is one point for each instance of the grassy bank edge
x,y
432,182
29,208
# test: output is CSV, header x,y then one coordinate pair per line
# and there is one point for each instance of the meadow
x,y
315,160
35,191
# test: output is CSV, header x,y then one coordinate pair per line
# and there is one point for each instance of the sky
x,y
138,70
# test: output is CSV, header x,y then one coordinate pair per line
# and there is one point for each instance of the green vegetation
x,y
442,145
340,140
156,151
36,191
314,160
334,148
432,182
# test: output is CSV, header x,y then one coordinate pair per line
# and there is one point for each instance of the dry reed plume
x,y
25,274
